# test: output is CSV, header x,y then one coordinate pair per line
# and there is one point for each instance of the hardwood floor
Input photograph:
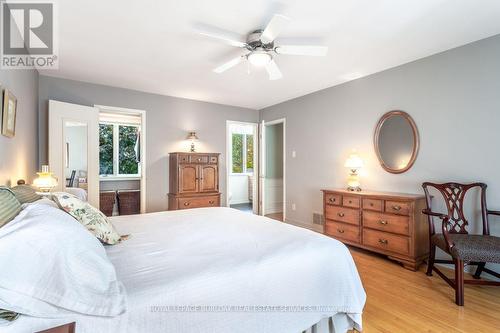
x,y
276,216
399,300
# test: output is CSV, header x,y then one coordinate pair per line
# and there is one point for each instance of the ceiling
x,y
152,45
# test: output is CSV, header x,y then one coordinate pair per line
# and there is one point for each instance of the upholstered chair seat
x,y
479,248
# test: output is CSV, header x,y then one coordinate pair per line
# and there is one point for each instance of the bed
x,y
221,270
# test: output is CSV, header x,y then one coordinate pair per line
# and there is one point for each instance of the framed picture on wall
x,y
9,114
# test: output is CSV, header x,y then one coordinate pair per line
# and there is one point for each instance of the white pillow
x,y
50,262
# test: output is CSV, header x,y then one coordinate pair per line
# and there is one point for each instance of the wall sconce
x,y
192,137
353,163
45,180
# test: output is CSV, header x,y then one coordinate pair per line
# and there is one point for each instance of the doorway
x,y
241,168
272,170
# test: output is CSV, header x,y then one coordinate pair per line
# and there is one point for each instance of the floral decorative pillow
x,y
95,221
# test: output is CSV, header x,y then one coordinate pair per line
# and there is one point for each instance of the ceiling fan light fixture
x,y
259,58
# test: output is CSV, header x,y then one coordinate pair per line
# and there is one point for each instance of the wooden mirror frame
x,y
416,140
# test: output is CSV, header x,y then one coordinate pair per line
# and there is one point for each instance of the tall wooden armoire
x,y
194,180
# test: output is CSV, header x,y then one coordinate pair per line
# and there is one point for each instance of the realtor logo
x,y
28,35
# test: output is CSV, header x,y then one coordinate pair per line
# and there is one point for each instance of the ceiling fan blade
x,y
306,50
274,28
225,39
230,64
273,71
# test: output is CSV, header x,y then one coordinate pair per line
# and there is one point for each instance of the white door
x,y
74,146
262,167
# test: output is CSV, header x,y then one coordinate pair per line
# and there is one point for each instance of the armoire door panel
x,y
209,179
188,178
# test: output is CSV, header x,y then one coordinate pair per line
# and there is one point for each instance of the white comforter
x,y
221,270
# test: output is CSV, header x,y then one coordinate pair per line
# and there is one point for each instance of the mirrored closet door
x,y
74,149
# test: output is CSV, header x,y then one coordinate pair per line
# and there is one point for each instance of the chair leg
x,y
479,270
459,282
430,263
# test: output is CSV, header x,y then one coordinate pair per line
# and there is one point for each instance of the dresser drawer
x,y
333,199
342,214
387,222
183,158
199,159
350,201
373,204
342,231
198,202
397,207
386,241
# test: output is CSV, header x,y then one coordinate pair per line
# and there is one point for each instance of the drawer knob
x,y
332,199
199,159
186,204
371,204
350,201
211,202
396,208
383,241
340,231
341,214
382,222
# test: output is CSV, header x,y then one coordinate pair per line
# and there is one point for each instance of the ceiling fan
x,y
261,48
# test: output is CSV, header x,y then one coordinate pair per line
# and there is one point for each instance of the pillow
x,y
9,206
25,194
93,219
56,266
42,201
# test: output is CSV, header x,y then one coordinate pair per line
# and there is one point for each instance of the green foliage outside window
x,y
242,154
249,153
105,149
127,137
127,159
237,141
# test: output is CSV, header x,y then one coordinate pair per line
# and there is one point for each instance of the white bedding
x,y
220,257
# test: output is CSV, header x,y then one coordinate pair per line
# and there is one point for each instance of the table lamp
x,y
353,163
45,180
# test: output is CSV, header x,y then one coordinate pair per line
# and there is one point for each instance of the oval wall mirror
x,y
396,141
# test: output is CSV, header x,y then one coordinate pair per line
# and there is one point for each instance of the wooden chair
x,y
463,247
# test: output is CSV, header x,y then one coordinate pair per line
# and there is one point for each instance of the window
x,y
118,150
242,153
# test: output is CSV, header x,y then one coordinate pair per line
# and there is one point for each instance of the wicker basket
x,y
107,202
129,202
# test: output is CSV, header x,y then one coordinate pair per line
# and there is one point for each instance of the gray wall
x,y
168,119
274,151
454,98
18,155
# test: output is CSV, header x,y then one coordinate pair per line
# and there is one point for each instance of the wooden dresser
x,y
388,223
194,180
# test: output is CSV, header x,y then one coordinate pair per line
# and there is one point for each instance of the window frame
x,y
116,153
245,171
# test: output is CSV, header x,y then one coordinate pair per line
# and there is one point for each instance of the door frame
x,y
142,114
256,171
262,175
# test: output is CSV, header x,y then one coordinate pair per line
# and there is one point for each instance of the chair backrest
x,y
454,195
72,179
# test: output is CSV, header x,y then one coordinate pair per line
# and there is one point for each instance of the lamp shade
x,y
45,180
354,162
192,136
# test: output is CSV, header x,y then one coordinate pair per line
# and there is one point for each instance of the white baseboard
x,y
239,202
